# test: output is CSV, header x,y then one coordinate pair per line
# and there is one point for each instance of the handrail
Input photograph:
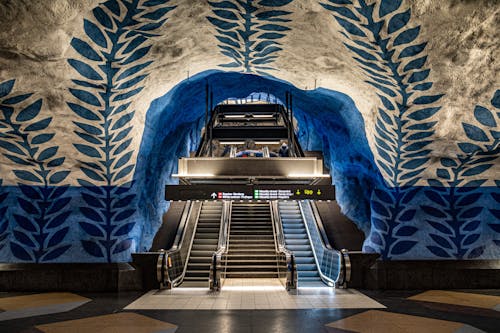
x,y
162,262
320,225
281,250
328,261
222,247
182,225
174,262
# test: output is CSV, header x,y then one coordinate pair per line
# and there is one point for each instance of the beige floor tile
x,y
374,321
458,298
119,322
39,300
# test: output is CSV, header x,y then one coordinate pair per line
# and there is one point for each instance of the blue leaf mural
x,y
4,223
39,232
111,67
387,49
457,208
390,235
248,32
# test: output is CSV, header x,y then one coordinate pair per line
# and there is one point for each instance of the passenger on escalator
x,y
284,152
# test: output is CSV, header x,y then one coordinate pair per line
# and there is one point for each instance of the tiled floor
x,y
405,311
375,321
119,322
38,304
253,294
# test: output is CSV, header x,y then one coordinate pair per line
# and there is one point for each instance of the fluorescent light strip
x,y
267,142
299,175
194,175
234,116
252,288
232,142
263,116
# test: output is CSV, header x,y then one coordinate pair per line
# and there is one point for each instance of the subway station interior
x,y
249,166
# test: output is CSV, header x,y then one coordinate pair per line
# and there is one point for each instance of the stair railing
x,y
287,267
172,264
329,261
216,265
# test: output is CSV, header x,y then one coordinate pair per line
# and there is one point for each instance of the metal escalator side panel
x,y
216,267
204,243
297,241
329,262
173,260
179,261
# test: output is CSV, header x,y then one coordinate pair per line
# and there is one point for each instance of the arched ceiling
x,y
315,50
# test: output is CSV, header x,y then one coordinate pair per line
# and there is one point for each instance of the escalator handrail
x,y
173,282
161,270
328,280
222,247
179,237
321,227
291,276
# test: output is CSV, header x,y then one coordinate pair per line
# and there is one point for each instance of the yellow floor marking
x,y
458,298
118,322
374,321
38,300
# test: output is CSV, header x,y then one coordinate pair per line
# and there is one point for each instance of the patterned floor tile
x,y
375,321
459,298
126,322
39,304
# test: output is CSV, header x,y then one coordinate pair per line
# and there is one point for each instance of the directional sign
x,y
249,192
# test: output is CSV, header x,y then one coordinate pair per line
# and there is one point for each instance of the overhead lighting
x,y
252,288
267,142
234,116
232,142
263,115
304,175
194,175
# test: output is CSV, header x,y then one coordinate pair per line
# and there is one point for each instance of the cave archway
x,y
328,120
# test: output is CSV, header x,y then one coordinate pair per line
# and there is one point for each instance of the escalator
x,y
297,241
205,243
317,263
251,251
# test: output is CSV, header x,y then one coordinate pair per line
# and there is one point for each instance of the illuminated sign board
x,y
249,192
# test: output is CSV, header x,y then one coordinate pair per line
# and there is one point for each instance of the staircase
x,y
206,239
251,252
297,241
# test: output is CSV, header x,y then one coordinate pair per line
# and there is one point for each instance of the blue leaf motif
x,y
441,227
56,253
484,116
398,21
406,231
402,246
19,252
439,252
123,246
442,241
92,248
6,87
407,36
475,133
477,170
85,70
476,252
91,229
29,112
433,211
95,33
470,239
57,237
125,229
